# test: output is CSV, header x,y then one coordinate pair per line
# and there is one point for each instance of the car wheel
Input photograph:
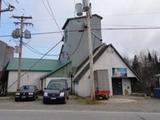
x,y
16,100
34,98
44,101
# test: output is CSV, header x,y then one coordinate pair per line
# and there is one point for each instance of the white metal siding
x,y
30,78
108,60
83,88
126,85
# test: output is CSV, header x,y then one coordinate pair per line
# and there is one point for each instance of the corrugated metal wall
x,y
6,53
75,43
2,54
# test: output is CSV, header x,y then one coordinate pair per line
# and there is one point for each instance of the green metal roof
x,y
29,64
61,67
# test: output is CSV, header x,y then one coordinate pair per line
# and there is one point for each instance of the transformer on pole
x,y
20,33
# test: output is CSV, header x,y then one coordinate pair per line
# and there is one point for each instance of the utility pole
x,y
85,6
20,33
90,46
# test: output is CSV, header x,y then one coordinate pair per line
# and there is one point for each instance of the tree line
x,y
146,65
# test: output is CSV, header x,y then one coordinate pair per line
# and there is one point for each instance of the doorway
x,y
117,86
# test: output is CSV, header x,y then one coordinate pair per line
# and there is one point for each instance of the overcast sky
x,y
115,13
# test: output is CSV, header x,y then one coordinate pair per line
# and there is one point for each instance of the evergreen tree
x,y
136,64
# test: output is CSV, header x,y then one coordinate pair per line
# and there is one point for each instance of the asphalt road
x,y
74,115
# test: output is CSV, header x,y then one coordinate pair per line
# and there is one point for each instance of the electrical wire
x,y
6,4
131,28
34,64
46,7
40,33
132,14
53,16
36,51
43,33
103,29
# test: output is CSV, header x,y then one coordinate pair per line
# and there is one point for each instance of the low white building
x,y
62,72
31,72
121,76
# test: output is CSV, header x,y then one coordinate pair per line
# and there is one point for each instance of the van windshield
x,y
56,85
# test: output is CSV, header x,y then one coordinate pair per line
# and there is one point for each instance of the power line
x,y
129,25
52,15
131,28
40,33
46,7
43,33
103,29
36,51
132,14
6,4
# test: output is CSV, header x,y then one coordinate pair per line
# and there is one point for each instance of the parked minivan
x,y
56,91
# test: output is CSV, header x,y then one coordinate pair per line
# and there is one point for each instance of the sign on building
x,y
119,72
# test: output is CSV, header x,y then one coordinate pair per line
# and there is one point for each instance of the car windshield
x,y
56,85
27,87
